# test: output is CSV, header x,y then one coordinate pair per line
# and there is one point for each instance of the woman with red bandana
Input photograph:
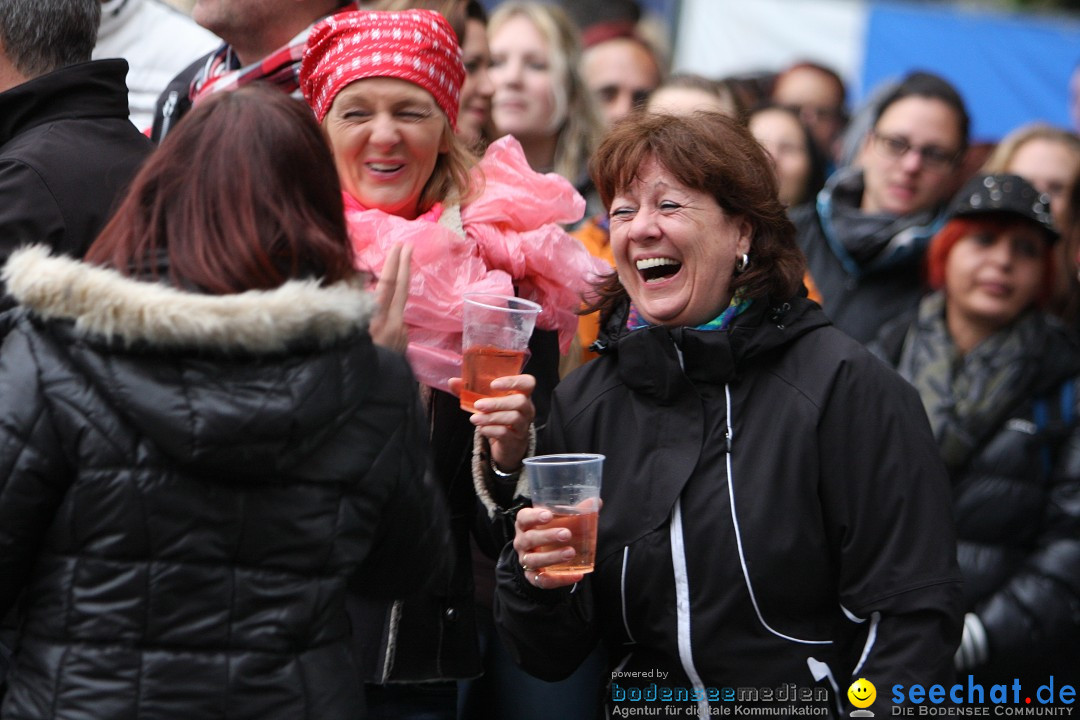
x,y
386,88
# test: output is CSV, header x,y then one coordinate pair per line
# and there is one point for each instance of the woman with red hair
x,y
998,377
202,448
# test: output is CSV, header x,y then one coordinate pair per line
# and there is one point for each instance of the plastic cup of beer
x,y
569,486
495,340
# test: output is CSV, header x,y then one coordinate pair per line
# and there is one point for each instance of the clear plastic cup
x,y
495,342
569,486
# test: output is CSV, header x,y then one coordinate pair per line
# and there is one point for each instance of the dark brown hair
x,y
712,153
242,195
927,85
815,179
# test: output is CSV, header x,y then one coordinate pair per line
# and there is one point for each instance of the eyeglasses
x,y
935,158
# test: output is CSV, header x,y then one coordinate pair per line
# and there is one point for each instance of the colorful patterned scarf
x,y
634,321
280,68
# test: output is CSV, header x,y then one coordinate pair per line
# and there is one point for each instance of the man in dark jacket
x,y
67,150
264,41
866,235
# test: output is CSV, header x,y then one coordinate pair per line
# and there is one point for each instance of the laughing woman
x,y
386,88
774,509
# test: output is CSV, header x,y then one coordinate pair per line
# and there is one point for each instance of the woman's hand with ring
x,y
538,547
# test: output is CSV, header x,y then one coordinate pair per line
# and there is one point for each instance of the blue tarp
x,y
1010,68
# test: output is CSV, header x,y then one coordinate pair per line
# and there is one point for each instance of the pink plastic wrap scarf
x,y
512,238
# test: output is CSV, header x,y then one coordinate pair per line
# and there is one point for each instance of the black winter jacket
x,y
774,513
189,484
1017,501
67,154
434,636
174,102
860,294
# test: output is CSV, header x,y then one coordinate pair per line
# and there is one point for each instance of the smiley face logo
x,y
862,693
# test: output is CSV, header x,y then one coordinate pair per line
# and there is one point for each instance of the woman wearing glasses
x,y
865,237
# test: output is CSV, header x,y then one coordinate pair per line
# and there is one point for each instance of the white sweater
x,y
158,42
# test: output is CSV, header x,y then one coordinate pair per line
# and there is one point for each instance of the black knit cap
x,y
1004,194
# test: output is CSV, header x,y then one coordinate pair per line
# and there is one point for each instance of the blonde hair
x,y
450,182
578,132
1066,292
452,10
1003,154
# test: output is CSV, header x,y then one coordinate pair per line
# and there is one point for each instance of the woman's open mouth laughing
x,y
657,269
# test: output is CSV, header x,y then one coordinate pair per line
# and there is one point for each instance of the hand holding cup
x,y
539,545
495,344
556,539
504,420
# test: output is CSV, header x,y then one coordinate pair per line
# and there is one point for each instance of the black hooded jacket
x,y
189,483
67,154
867,267
774,512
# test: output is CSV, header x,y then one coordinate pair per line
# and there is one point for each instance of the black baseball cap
x,y
1004,194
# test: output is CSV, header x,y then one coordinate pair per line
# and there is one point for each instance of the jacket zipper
x,y
729,435
622,588
682,607
391,642
167,111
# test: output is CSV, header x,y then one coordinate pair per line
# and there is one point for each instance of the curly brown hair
x,y
712,153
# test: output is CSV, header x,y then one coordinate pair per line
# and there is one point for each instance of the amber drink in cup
x,y
568,485
495,341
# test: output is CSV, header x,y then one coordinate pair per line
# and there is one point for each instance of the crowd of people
x,y
830,355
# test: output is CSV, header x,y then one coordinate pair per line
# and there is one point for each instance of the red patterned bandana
x,y
281,68
418,46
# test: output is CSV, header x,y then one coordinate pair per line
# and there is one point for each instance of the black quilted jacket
x,y
188,483
1017,508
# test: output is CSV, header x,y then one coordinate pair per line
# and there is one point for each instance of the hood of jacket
x,y
90,89
656,360
247,386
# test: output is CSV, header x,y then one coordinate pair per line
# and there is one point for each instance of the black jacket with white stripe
x,y
775,513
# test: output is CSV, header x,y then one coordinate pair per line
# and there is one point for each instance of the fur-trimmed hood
x,y
247,386
103,302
